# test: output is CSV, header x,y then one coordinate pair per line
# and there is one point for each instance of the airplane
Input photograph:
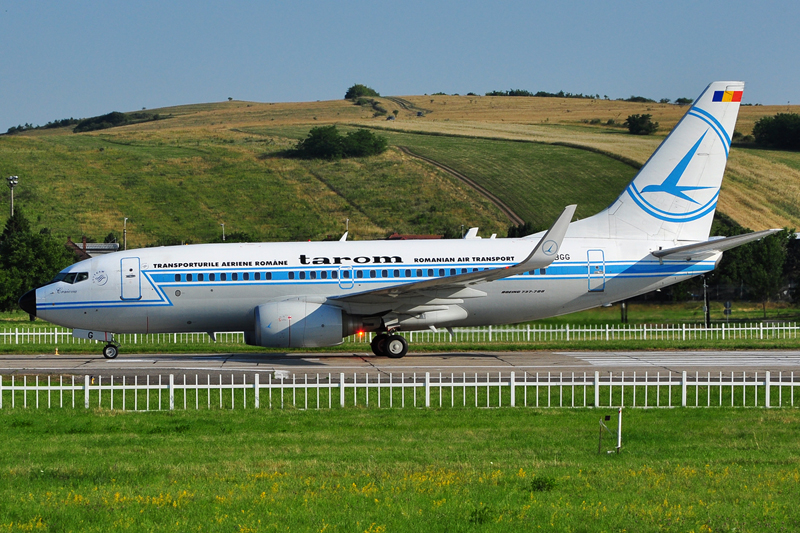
x,y
315,294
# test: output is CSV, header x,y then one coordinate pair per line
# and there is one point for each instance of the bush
x,y
684,101
359,90
781,131
641,124
325,142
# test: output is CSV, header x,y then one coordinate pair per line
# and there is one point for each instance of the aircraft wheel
x,y
396,346
110,351
378,344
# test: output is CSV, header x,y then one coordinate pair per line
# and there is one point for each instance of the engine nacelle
x,y
299,323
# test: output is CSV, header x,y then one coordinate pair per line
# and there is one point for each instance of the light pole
x,y
12,182
125,234
223,231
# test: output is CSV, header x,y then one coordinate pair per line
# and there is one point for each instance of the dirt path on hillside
x,y
512,216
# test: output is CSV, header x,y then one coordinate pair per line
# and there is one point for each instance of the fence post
x,y
596,389
341,389
16,335
761,330
766,388
683,331
683,389
513,390
171,392
567,332
490,333
256,390
427,389
606,332
86,392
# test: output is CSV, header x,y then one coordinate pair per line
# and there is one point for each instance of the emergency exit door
x,y
131,279
597,270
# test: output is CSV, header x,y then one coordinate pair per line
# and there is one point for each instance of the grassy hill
x,y
177,179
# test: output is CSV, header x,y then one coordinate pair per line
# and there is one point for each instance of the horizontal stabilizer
x,y
708,248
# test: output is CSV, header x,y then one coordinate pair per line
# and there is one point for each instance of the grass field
x,y
399,470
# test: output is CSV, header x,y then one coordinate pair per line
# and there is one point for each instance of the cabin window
x,y
463,270
396,273
441,272
246,276
291,275
452,271
372,273
177,277
313,274
323,274
200,277
302,275
82,276
258,276
335,275
408,273
188,277
267,275
542,271
419,272
223,277
430,272
384,273
359,274
212,277
234,276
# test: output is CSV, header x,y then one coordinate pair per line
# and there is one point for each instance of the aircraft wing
x,y
459,285
711,247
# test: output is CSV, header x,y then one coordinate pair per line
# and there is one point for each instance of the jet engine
x,y
301,323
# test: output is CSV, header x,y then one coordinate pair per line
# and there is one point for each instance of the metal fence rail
x,y
486,390
526,333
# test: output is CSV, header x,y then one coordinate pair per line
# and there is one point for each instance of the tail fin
x,y
674,195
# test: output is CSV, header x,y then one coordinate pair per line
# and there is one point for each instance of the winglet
x,y
547,249
545,252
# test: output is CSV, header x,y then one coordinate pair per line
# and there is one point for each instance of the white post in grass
x,y
171,392
766,388
596,389
513,390
341,389
86,392
683,389
619,431
256,392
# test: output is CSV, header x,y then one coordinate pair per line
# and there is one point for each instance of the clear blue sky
x,y
63,59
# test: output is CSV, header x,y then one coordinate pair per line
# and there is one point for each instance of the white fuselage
x,y
216,287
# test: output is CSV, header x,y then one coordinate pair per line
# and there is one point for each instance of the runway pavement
x,y
300,364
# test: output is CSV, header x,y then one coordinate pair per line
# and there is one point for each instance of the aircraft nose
x,y
28,302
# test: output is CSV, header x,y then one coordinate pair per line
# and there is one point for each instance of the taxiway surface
x,y
239,364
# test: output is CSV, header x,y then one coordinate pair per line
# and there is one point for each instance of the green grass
x,y
398,470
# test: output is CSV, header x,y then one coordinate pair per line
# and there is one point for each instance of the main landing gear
x,y
111,350
390,345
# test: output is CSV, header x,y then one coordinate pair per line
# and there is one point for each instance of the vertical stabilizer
x,y
674,195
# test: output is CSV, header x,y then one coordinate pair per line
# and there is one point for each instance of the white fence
x,y
525,333
318,391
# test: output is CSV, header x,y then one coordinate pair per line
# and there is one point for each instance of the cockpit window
x,y
71,277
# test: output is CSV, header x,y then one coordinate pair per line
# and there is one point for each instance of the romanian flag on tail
x,y
727,96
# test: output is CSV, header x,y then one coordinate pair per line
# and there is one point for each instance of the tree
x,y
641,124
325,142
765,273
683,101
359,90
27,260
781,131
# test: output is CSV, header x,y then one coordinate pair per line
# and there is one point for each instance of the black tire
x,y
378,344
110,351
396,346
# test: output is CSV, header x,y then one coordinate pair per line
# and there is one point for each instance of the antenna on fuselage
x,y
346,230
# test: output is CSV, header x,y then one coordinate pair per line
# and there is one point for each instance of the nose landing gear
x,y
111,350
